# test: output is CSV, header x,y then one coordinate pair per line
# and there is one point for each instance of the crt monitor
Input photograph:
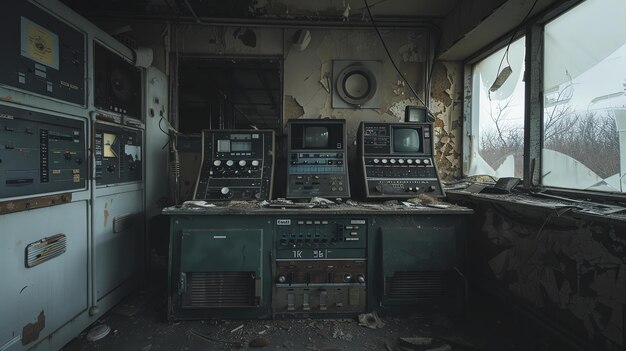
x,y
407,139
316,135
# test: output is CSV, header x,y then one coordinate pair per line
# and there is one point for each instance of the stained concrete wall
x,y
569,268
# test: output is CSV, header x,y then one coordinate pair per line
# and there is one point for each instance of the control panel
x,y
236,165
398,160
118,154
40,153
317,159
320,267
41,54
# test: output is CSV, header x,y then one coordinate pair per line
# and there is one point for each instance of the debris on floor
x,y
417,341
98,332
371,320
259,342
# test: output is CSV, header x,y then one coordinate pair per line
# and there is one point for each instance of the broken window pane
x,y
497,132
584,113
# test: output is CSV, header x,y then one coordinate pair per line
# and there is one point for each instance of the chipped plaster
x,y
446,106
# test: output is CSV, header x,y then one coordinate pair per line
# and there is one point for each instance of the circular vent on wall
x,y
356,84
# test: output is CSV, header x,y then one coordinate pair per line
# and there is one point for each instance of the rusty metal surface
x,y
35,202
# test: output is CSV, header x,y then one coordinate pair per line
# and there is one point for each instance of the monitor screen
x,y
407,140
316,136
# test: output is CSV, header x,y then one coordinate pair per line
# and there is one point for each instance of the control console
x,y
236,165
398,160
317,161
40,153
320,267
118,154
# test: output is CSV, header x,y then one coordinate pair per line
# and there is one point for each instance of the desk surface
x,y
352,207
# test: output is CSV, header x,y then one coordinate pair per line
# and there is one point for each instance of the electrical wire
x,y
506,52
393,62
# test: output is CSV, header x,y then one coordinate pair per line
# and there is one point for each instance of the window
x,y
497,123
584,117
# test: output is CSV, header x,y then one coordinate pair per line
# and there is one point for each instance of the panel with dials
x,y
118,154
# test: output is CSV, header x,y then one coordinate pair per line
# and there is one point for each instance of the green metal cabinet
x,y
219,267
418,261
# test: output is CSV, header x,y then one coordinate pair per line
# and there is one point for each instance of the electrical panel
x,y
236,165
397,160
321,266
40,153
117,83
41,54
118,154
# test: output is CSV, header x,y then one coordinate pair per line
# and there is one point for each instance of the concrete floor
x,y
139,324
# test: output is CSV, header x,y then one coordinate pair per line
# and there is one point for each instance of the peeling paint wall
x,y
572,270
446,104
308,73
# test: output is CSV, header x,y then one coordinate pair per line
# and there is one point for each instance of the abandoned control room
x,y
313,175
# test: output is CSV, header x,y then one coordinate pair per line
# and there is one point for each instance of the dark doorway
x,y
229,94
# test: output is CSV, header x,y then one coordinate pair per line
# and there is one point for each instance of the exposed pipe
x,y
382,22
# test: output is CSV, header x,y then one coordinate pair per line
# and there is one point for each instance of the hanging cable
x,y
501,76
382,41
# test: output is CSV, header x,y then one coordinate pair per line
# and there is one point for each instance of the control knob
x,y
282,279
242,163
230,163
376,160
255,163
409,161
426,161
384,160
360,278
217,163
418,161
401,161
225,190
393,160
347,277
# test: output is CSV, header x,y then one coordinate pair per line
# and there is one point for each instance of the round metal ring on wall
x,y
356,85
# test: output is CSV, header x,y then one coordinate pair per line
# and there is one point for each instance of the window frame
x,y
533,30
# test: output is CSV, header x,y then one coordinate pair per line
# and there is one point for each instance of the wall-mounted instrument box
x,y
397,160
236,165
118,154
41,53
317,161
40,153
117,83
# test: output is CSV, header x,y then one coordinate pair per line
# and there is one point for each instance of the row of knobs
x,y
230,163
402,161
347,278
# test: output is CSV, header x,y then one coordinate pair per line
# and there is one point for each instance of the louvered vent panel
x,y
220,289
45,249
417,287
